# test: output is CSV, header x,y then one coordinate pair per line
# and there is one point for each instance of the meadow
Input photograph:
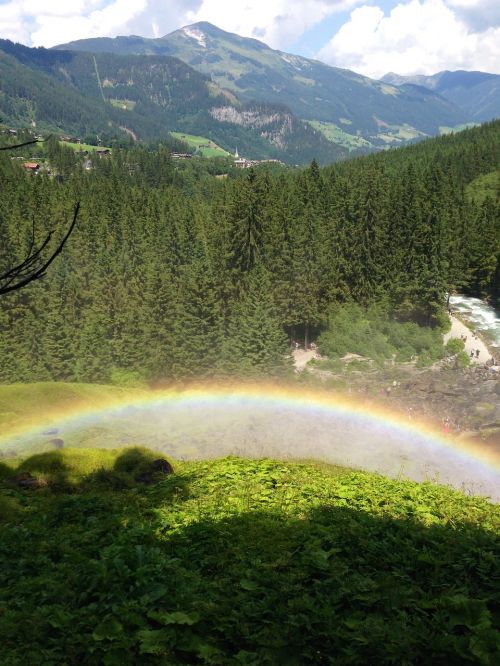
x,y
201,145
235,561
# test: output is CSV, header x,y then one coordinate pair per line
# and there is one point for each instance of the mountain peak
x,y
196,33
201,27
204,29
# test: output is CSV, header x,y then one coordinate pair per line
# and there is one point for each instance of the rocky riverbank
x,y
460,402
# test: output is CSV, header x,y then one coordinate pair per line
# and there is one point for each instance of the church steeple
x,y
236,156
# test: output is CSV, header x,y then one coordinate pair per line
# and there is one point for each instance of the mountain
x,y
351,109
147,97
476,93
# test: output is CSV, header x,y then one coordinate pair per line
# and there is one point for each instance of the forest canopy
x,y
173,273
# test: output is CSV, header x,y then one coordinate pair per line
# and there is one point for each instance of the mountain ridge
x,y
151,95
351,104
476,92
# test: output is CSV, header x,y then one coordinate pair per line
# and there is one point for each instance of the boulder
x,y
162,465
27,481
155,468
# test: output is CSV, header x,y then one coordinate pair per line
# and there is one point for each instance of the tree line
x,y
172,273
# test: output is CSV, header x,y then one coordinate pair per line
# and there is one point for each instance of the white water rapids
x,y
480,316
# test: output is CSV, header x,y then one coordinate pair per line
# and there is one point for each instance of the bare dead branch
x,y
19,145
24,273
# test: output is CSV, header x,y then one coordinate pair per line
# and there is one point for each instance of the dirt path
x,y
301,358
458,329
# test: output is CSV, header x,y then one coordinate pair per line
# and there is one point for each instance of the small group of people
x,y
449,426
474,353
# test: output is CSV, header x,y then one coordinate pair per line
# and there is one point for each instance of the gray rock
x,y
162,465
27,481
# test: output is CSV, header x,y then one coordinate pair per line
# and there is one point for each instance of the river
x,y
480,315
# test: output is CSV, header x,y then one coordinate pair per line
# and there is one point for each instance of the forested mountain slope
x,y
172,273
476,93
147,96
381,114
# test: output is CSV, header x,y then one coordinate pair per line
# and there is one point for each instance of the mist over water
x,y
262,427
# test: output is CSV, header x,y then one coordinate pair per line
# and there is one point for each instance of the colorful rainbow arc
x,y
278,396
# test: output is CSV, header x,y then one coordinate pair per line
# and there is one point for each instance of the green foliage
x,y
160,280
234,561
484,187
454,346
463,359
10,509
132,460
373,334
130,378
66,468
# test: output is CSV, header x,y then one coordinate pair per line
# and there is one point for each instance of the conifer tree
x,y
255,344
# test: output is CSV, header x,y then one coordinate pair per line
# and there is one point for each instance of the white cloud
x,y
275,22
54,28
49,22
416,37
477,14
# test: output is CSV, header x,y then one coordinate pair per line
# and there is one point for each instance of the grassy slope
x,y
242,562
196,141
337,135
234,561
22,404
83,146
487,185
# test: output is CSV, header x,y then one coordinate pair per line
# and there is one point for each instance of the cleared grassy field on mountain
x,y
201,144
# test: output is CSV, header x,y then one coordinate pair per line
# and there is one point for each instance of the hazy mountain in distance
x,y
476,93
147,97
352,109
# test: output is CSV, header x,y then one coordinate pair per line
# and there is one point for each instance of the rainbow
x,y
341,429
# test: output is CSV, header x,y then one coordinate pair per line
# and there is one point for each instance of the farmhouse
x,y
33,167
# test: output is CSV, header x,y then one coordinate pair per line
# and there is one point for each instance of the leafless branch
x,y
19,145
25,272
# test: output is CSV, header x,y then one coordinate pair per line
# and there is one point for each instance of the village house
x,y
33,167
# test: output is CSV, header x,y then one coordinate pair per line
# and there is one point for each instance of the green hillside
x,y
241,562
311,89
201,145
147,98
23,404
172,274
487,185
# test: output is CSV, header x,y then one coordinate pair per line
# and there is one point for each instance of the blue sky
x,y
369,36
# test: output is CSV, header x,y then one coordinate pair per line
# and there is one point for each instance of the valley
x,y
240,424
232,91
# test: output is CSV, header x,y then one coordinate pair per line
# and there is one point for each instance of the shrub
x,y
374,334
462,359
127,378
454,346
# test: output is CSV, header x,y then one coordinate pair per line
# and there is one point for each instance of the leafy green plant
x,y
248,562
374,334
454,346
463,359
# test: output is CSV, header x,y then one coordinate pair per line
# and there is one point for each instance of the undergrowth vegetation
x,y
241,562
373,333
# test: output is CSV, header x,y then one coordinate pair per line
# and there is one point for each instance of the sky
x,y
371,37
